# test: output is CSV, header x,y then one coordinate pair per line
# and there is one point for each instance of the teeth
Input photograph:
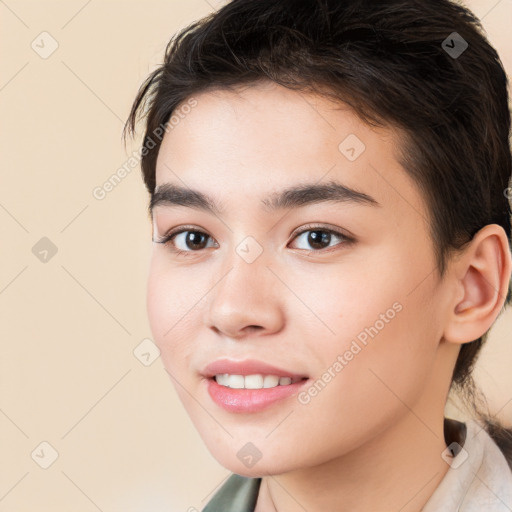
x,y
257,381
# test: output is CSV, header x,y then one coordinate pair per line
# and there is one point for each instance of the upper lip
x,y
246,367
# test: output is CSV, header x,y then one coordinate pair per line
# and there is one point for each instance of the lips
x,y
247,367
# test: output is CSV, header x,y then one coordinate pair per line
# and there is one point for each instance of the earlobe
x,y
485,268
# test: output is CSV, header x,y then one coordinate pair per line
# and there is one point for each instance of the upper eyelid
x,y
300,230
321,227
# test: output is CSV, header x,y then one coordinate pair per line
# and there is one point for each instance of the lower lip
x,y
250,400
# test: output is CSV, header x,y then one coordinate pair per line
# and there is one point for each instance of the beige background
x,y
69,326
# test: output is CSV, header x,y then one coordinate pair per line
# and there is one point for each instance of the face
x,y
336,284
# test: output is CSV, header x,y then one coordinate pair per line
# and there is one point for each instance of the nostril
x,y
252,328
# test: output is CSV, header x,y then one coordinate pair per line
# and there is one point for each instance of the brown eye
x,y
195,239
318,239
186,241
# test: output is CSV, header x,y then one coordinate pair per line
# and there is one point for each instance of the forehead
x,y
265,137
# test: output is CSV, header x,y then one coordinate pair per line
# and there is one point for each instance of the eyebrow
x,y
169,194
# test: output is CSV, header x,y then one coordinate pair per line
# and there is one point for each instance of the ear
x,y
481,277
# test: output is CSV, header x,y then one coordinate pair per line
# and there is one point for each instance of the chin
x,y
259,469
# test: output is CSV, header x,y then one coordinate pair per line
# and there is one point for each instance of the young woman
x,y
329,187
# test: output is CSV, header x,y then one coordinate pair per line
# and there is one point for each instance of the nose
x,y
247,301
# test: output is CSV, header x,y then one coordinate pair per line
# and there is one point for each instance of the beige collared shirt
x,y
479,478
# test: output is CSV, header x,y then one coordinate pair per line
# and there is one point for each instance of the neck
x,y
397,470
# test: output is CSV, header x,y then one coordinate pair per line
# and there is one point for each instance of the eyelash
x,y
168,237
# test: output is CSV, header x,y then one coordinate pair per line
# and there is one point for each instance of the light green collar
x,y
238,494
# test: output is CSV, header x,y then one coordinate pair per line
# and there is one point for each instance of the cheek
x,y
370,387
160,301
342,302
383,329
172,306
395,350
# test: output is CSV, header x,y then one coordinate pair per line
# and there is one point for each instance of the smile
x,y
256,381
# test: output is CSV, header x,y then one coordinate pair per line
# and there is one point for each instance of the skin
x,y
372,438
